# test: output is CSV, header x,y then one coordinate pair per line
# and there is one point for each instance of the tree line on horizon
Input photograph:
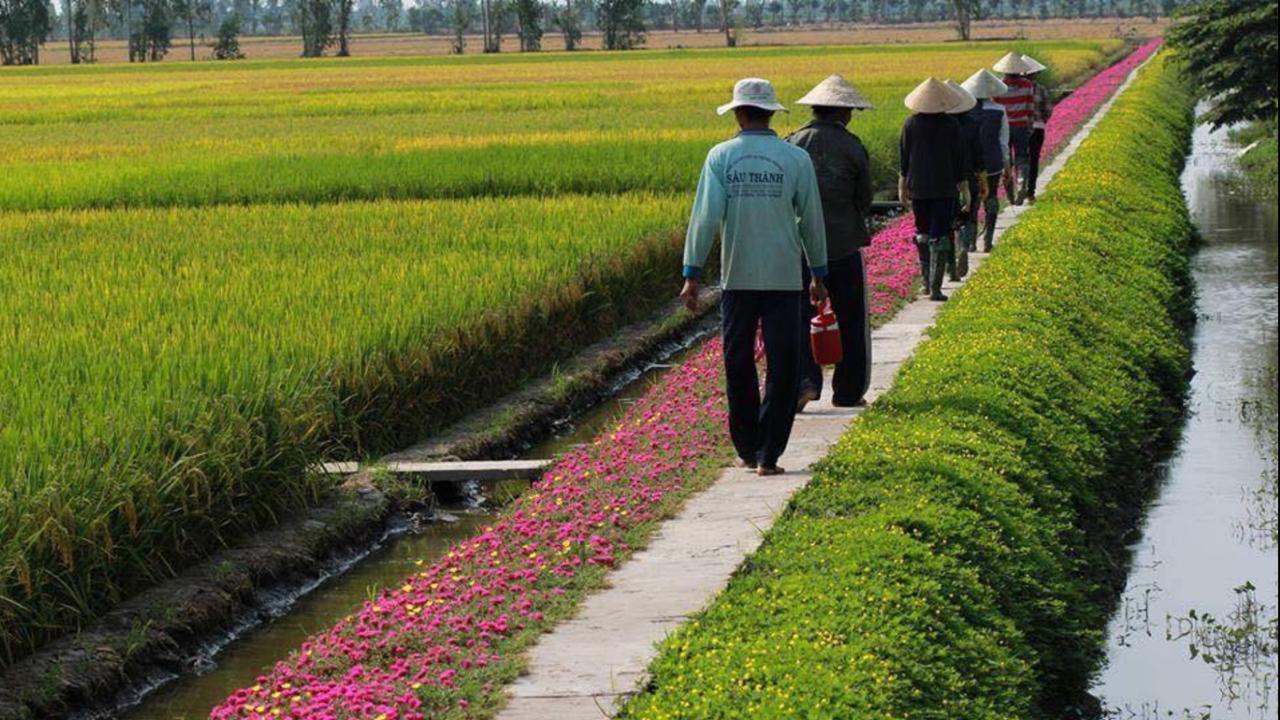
x,y
153,27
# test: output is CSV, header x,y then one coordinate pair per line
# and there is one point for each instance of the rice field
x,y
423,127
215,275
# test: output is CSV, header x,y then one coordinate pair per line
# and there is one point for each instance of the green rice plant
x,y
90,136
170,374
950,559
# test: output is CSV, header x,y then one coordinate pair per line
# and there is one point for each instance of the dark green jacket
x,y
844,183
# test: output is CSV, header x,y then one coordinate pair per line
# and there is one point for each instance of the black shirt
x,y
844,183
931,155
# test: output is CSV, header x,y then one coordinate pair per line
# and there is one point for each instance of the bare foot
x,y
748,464
767,470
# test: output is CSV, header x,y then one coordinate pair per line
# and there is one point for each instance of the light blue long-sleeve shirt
x,y
761,194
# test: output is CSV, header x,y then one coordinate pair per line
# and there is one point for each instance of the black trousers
x,y
847,286
1035,146
761,427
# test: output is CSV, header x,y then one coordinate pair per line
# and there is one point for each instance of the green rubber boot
x,y
937,267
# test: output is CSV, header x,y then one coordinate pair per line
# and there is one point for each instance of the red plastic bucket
x,y
824,336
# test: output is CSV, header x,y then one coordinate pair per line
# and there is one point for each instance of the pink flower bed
x,y
408,653
440,644
1080,105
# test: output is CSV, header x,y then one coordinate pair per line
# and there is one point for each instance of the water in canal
x,y
190,697
1195,635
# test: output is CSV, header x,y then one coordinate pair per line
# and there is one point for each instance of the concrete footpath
x,y
581,669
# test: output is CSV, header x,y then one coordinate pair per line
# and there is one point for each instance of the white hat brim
x,y
772,107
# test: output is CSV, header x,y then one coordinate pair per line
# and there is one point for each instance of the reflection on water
x,y
1194,637
192,697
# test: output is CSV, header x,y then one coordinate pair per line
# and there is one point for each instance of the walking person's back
x,y
1041,111
993,137
843,168
1019,103
931,167
761,195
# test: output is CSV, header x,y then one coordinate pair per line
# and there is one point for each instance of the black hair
x,y
755,114
828,112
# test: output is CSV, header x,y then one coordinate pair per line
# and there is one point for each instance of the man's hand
x,y
984,188
689,294
817,292
904,192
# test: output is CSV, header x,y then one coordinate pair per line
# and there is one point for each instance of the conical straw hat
x,y
1013,64
984,84
835,91
931,96
1036,65
966,101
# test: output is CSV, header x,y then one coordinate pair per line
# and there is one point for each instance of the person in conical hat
x,y
993,135
930,172
1042,109
968,115
844,183
1019,103
1013,63
760,196
1034,66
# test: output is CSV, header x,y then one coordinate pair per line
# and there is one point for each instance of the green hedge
x,y
950,558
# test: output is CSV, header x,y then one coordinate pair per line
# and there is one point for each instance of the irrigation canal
x,y
235,665
1195,634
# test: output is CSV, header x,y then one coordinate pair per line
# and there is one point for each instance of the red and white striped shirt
x,y
1020,101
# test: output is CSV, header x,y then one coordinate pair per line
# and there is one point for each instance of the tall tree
x,y
726,21
157,29
529,15
193,13
621,23
570,25
965,13
699,9
315,21
342,9
24,25
227,46
459,22
69,14
1229,48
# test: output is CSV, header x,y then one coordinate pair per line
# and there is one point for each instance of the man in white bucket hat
x,y
993,135
760,195
1019,103
844,183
